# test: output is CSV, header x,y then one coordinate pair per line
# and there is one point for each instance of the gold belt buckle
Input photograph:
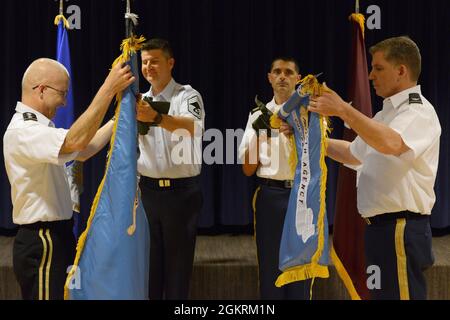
x,y
288,184
164,183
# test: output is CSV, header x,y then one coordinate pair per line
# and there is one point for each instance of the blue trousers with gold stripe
x,y
270,206
42,253
401,248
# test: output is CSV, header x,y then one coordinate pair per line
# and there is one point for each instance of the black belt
x,y
59,224
167,183
284,184
387,217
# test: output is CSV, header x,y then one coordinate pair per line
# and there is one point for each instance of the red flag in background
x,y
348,232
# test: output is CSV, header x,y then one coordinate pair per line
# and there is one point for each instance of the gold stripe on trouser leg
x,y
255,196
49,264
41,266
402,272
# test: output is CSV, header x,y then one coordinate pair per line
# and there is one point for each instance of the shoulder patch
x,y
29,116
415,98
194,107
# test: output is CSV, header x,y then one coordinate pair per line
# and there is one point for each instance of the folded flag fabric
x,y
304,252
112,260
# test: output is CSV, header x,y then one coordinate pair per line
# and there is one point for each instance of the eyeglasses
x,y
61,92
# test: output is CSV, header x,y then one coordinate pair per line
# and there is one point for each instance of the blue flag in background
x,y
304,252
112,260
64,119
64,116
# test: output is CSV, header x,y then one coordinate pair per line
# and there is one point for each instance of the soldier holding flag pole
x,y
397,167
112,253
35,155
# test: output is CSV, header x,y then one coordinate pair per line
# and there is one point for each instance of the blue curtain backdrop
x,y
223,49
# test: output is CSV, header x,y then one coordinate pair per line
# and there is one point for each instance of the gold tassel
x,y
303,272
132,228
129,46
61,17
310,86
359,18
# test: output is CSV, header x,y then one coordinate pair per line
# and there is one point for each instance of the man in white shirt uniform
x,y
269,158
35,153
396,155
170,183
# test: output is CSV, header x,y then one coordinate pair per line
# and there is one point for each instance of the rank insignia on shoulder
x,y
194,107
29,116
415,98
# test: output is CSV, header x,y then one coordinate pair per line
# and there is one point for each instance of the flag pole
x,y
349,227
61,7
128,24
131,21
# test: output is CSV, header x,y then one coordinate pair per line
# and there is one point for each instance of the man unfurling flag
x,y
112,260
348,231
64,119
304,250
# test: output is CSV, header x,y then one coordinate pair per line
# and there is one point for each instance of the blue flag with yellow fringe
x,y
112,259
304,250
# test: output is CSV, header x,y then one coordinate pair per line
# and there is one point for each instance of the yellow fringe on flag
x,y
61,17
323,186
303,272
359,18
128,46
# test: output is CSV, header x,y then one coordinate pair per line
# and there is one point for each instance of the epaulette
x,y
415,98
29,116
